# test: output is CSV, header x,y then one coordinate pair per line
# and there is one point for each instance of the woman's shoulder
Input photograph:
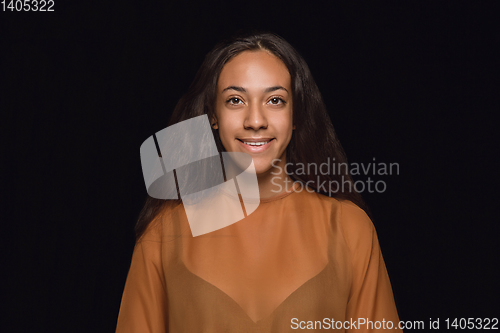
x,y
345,215
351,218
356,226
352,214
347,208
162,221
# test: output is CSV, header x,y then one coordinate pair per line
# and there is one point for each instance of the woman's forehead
x,y
254,71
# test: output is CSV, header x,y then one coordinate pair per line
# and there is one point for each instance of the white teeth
x,y
256,143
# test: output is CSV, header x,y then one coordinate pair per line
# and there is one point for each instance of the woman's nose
x,y
256,118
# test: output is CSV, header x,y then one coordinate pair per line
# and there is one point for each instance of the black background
x,y
82,87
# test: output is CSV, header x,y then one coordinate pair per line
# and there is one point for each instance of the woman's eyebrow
x,y
241,89
274,89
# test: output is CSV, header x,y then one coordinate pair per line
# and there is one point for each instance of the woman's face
x,y
254,108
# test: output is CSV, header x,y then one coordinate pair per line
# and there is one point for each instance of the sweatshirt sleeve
x,y
144,302
371,303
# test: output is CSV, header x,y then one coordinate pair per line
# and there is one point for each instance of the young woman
x,y
307,258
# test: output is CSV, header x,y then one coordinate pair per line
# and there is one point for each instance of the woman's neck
x,y
273,182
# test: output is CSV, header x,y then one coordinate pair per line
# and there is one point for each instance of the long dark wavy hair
x,y
313,141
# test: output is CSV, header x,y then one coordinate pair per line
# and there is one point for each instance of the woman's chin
x,y
263,170
267,167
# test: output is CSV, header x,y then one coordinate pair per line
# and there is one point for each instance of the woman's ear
x,y
213,123
293,127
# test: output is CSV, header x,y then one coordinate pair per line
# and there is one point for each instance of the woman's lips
x,y
256,148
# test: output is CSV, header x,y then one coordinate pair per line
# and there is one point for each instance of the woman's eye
x,y
276,101
234,101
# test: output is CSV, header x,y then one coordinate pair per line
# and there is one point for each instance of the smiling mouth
x,y
256,143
